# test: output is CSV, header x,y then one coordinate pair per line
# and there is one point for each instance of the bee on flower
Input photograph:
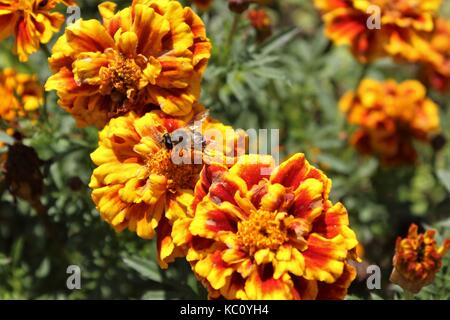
x,y
379,28
263,232
31,22
389,116
142,181
417,259
148,56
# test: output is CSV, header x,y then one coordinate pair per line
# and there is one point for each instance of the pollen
x,y
121,79
262,230
179,176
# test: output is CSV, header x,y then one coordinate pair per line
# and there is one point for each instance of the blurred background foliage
x,y
292,81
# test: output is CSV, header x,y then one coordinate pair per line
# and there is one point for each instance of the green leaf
x,y
279,41
154,295
147,268
444,176
4,260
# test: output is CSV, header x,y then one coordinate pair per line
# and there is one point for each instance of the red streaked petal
x,y
253,168
324,258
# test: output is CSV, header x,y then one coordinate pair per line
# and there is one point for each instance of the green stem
x,y
46,50
408,295
231,34
362,75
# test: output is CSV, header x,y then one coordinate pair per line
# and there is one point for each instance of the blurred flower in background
x,y
261,23
203,4
21,96
389,116
417,259
437,69
32,22
378,28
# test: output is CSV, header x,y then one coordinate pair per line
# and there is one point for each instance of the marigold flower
x,y
22,96
261,22
417,259
404,26
32,22
389,116
137,184
148,56
437,64
260,232
203,4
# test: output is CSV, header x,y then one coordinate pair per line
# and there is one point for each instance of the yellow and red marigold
x,y
260,232
437,64
32,22
417,259
402,33
261,22
389,116
137,185
22,96
148,56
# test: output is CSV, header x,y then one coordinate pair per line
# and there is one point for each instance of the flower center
x,y
262,230
179,176
124,75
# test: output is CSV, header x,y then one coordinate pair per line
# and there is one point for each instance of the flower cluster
x,y
417,259
32,22
148,56
22,96
389,116
249,230
378,28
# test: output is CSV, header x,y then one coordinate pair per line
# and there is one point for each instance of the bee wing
x,y
197,121
157,133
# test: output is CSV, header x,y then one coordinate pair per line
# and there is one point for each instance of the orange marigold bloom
x,y
260,232
404,26
22,96
417,259
261,22
437,67
31,21
137,185
148,56
389,116
203,4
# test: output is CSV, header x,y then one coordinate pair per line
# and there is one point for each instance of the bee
x,y
168,143
187,137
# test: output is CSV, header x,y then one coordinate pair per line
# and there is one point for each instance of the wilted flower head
x,y
389,116
377,28
23,176
417,259
260,232
148,56
32,22
21,96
